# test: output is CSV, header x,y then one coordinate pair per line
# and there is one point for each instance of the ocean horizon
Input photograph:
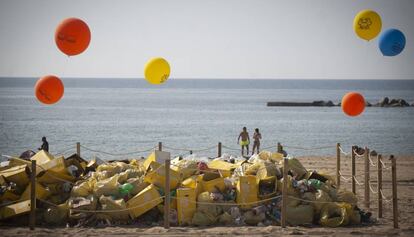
x,y
126,115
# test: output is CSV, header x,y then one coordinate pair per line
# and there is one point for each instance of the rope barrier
x,y
343,177
105,211
119,154
308,148
265,148
357,182
370,161
230,148
231,204
384,198
193,150
64,151
384,166
214,171
310,201
343,152
372,190
358,155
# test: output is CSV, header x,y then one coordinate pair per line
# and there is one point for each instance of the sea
x,y
127,118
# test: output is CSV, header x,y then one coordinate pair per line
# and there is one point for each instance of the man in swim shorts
x,y
245,141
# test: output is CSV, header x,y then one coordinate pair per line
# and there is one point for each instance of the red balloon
x,y
49,89
353,104
72,36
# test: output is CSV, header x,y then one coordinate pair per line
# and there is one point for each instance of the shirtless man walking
x,y
245,140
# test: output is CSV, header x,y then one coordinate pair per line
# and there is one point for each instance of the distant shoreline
x,y
278,84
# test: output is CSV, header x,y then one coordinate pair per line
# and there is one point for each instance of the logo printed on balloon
x,y
367,24
391,42
364,23
72,36
157,71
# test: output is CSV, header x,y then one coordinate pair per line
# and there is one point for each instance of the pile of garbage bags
x,y
224,191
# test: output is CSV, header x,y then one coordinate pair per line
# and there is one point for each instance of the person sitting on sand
x,y
45,145
245,141
256,141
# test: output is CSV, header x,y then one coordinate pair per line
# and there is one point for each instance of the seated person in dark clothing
x,y
45,145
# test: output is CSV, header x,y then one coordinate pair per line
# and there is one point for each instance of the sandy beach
x,y
381,227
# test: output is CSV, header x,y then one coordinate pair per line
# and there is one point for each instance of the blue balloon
x,y
391,42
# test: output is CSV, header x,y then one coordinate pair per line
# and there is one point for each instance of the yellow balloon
x,y
157,70
367,24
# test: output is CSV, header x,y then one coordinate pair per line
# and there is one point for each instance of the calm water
x,y
126,115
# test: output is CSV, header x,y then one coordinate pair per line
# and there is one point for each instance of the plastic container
x,y
14,209
247,191
186,205
144,201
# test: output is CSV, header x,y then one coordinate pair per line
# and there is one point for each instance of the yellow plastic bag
x,y
83,189
138,185
212,182
354,216
296,168
251,219
346,196
271,156
292,202
334,215
113,168
108,203
309,196
203,219
56,215
225,219
321,199
80,203
185,168
300,215
203,206
225,168
267,169
106,187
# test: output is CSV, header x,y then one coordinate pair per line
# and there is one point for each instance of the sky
x,y
266,39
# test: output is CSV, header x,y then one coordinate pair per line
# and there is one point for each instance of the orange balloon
x,y
72,36
353,104
49,89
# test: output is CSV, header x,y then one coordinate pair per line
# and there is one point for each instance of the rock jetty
x,y
384,102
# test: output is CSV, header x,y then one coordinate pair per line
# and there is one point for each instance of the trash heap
x,y
223,191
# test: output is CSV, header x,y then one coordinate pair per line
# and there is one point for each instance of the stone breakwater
x,y
384,102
